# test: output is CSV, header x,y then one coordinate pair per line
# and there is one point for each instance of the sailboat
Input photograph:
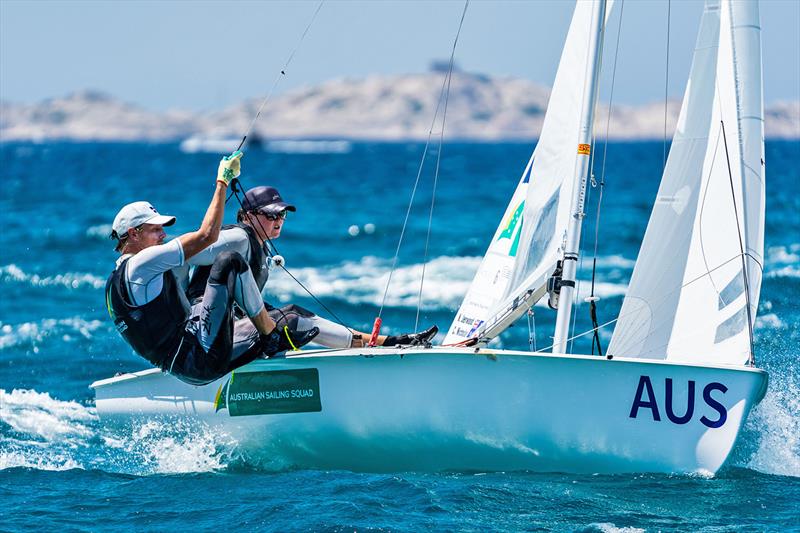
x,y
679,378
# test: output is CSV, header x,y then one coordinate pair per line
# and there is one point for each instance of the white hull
x,y
454,409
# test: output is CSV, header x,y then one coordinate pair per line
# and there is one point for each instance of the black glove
x,y
279,341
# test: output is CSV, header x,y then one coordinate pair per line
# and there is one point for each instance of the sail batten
x,y
699,266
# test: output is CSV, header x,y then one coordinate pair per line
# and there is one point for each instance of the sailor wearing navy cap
x,y
151,310
262,217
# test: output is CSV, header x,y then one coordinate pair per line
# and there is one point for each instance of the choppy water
x,y
60,467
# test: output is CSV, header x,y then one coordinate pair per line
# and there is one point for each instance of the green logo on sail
x,y
508,231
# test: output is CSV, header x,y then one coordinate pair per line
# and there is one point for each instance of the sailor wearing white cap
x,y
151,311
133,217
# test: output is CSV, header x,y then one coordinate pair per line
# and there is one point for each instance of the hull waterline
x,y
457,409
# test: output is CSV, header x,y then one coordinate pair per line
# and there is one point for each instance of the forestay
x,y
526,245
687,298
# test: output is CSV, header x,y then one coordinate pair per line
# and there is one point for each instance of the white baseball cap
x,y
138,213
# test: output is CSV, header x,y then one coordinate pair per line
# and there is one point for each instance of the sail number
x,y
645,400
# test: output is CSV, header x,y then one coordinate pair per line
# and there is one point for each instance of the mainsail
x,y
526,245
700,263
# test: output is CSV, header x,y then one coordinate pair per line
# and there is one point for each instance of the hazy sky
x,y
204,55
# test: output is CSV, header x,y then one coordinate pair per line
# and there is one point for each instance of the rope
x,y
289,338
236,186
438,162
278,76
271,250
335,317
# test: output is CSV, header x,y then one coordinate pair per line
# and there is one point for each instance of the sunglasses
x,y
274,216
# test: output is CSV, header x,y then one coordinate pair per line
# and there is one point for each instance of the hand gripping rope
x,y
237,186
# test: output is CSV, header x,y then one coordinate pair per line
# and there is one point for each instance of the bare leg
x,y
361,339
263,322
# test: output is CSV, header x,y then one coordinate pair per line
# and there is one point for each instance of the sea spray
x,y
772,431
44,433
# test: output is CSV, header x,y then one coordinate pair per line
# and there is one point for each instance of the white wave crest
x,y
101,231
35,332
788,271
783,261
56,461
49,434
608,527
602,289
783,254
44,418
447,280
48,430
611,261
70,280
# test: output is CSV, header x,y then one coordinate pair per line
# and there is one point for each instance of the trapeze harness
x,y
154,330
257,263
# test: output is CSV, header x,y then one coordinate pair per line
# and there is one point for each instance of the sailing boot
x,y
423,338
278,342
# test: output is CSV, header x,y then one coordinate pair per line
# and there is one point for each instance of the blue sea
x,y
62,469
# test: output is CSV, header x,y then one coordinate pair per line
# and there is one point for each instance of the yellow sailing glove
x,y
230,167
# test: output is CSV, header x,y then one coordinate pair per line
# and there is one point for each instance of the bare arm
x,y
196,241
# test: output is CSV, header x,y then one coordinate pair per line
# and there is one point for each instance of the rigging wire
x,y
596,98
281,74
271,250
592,298
752,358
573,320
438,162
658,302
443,96
721,135
531,329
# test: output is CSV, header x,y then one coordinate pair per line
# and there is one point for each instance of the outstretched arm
x,y
194,242
230,240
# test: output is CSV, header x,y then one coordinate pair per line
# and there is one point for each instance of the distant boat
x,y
307,146
219,145
680,380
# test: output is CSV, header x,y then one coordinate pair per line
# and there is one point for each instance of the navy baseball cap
x,y
265,199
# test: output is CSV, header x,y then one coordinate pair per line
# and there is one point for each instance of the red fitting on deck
x,y
376,329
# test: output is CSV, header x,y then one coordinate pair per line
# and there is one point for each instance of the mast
x,y
572,245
